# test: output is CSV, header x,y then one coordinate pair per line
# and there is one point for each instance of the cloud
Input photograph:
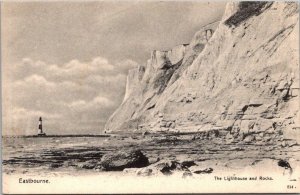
x,y
98,102
37,80
75,97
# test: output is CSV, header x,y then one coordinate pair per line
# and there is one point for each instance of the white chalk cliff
x,y
241,76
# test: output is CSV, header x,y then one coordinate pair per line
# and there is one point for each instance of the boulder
x,y
188,163
285,164
204,171
165,167
124,159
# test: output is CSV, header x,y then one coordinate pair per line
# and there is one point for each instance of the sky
x,y
68,61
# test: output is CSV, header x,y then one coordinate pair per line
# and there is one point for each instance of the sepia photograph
x,y
106,97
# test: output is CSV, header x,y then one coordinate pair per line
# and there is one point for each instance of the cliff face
x,y
146,83
242,78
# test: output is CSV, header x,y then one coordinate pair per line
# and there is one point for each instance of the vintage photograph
x,y
150,97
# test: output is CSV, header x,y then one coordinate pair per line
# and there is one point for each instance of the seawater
x,y
29,153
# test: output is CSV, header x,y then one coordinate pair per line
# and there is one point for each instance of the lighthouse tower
x,y
40,130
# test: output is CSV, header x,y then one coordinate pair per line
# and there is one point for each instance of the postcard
x,y
105,97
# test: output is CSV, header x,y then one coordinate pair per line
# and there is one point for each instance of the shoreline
x,y
47,136
210,156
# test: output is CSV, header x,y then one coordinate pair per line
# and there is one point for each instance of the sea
x,y
28,153
74,154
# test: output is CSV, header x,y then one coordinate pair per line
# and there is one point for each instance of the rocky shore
x,y
163,154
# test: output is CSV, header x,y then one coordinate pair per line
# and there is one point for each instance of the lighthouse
x,y
40,130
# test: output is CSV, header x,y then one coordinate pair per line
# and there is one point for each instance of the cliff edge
x,y
241,77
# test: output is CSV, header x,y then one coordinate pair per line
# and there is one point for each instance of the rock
x,y
259,143
258,138
153,160
264,125
187,174
285,164
237,149
166,167
204,171
267,137
123,159
188,164
145,133
235,135
55,165
131,170
291,143
283,144
87,165
229,136
249,138
213,133
270,131
229,141
145,172
246,126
